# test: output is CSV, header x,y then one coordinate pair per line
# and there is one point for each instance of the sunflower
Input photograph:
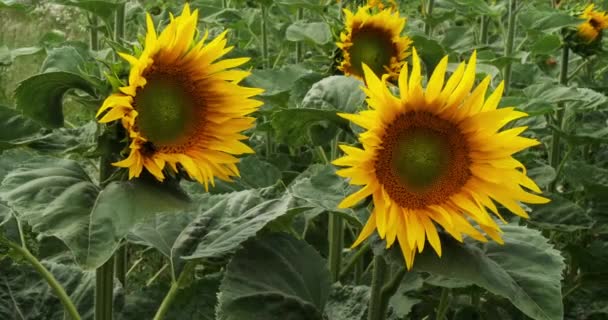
x,y
183,107
374,39
595,22
435,158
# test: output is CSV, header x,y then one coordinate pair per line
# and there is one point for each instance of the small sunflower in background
x,y
373,36
436,157
596,22
183,106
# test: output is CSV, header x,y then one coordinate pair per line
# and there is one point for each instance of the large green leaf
x,y
312,32
274,277
103,9
5,213
298,127
335,93
221,229
15,128
560,214
41,96
57,198
526,269
546,20
26,296
543,98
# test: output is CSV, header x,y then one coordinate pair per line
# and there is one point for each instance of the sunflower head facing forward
x,y
436,157
183,107
595,22
373,39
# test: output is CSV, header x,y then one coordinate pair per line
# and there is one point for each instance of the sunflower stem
x,y
555,152
93,35
170,297
376,310
336,243
104,275
509,44
224,4
264,37
444,303
485,24
121,264
104,280
354,260
119,23
69,306
299,16
428,26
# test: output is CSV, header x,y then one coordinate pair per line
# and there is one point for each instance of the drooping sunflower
x,y
595,22
435,157
374,39
183,106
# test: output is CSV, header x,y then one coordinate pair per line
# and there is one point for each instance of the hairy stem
x,y
354,260
93,35
376,309
558,120
428,28
299,16
336,243
104,280
509,44
119,23
50,279
170,297
444,302
264,37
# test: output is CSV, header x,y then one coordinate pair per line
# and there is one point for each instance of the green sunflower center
x,y
166,110
372,47
420,157
423,160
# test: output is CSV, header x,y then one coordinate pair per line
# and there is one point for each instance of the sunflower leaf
x,y
275,277
526,269
26,296
58,198
41,96
312,32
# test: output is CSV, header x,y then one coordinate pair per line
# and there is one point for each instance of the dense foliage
x,y
273,243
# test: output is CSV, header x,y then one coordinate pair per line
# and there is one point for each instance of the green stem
x,y
336,243
485,24
50,279
375,310
175,286
354,260
93,35
509,44
391,287
264,37
121,264
119,23
444,302
299,16
225,4
555,151
428,28
104,279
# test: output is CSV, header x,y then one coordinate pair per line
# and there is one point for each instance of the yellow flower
x,y
380,5
596,21
182,105
435,157
374,39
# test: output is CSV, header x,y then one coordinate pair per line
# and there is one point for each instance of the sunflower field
x,y
303,159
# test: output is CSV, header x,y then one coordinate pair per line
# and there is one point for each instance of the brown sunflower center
x,y
169,109
423,160
373,47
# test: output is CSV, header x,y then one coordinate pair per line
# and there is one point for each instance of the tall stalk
x,y
376,310
104,287
93,33
509,44
299,16
170,297
264,36
119,23
558,120
428,28
444,302
70,309
336,243
483,33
